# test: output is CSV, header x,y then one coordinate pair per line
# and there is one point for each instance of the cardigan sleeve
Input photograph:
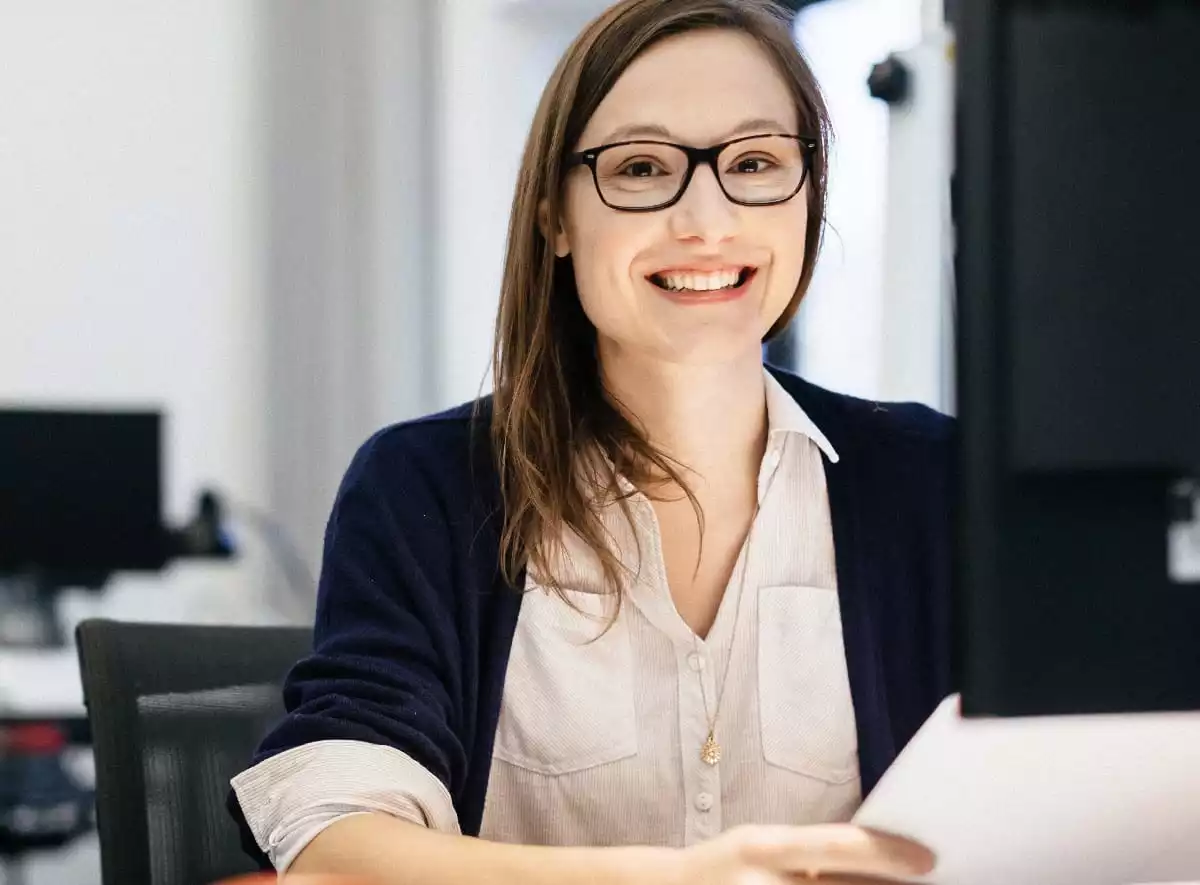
x,y
371,712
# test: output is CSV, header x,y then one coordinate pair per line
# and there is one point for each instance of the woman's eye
x,y
750,165
639,169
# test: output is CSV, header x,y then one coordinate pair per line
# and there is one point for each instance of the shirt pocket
x,y
805,708
568,701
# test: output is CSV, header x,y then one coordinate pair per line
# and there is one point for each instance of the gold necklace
x,y
710,750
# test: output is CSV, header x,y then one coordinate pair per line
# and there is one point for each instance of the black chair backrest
x,y
176,710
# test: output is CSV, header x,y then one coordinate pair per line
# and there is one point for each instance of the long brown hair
x,y
559,439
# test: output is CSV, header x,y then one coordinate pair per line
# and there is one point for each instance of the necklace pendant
x,y
710,752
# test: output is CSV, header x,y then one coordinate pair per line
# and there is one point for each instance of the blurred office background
x,y
281,222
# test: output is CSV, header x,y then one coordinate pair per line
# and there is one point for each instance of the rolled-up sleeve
x,y
371,712
291,797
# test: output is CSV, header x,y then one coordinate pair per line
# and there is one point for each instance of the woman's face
x,y
643,278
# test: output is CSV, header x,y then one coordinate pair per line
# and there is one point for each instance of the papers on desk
x,y
1079,800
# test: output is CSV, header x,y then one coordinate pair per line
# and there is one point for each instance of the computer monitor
x,y
80,492
1078,271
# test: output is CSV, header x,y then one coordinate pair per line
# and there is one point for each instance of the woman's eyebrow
x,y
653,130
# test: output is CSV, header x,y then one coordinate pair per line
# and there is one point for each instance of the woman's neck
x,y
711,418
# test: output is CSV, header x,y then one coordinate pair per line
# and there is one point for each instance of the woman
x,y
672,601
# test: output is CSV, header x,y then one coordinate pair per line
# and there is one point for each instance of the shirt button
x,y
704,801
696,661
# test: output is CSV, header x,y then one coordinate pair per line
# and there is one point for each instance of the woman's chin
x,y
712,347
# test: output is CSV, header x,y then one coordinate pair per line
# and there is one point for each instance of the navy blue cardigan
x,y
414,623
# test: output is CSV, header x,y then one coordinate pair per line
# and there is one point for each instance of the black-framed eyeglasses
x,y
754,170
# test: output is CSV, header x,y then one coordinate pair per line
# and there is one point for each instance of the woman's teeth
x,y
699,282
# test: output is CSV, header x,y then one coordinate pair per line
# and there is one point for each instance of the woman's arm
x,y
387,851
381,714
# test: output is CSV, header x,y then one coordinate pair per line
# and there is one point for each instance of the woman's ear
x,y
553,231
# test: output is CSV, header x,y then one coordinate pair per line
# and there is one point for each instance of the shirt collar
x,y
784,415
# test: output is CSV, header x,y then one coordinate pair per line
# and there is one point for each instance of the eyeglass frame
x,y
695,156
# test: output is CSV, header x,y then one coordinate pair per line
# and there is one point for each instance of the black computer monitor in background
x,y
80,492
1078,270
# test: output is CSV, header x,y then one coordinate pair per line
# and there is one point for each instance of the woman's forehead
x,y
698,87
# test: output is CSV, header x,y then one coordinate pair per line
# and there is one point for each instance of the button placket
x,y
699,779
707,802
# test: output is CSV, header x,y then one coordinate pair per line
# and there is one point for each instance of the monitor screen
x,y
80,491
1078,354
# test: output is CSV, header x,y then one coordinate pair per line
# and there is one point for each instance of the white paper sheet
x,y
1079,800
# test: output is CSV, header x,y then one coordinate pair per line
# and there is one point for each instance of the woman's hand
x,y
775,855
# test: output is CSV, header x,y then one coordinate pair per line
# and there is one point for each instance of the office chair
x,y
175,712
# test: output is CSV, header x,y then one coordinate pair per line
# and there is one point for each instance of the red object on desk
x,y
34,739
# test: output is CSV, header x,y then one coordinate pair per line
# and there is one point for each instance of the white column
x,y
348,115
917,312
842,321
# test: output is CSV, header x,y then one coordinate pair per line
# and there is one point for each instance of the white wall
x,y
128,231
129,239
130,274
222,209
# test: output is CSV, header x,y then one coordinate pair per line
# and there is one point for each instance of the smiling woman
x,y
649,595
697,143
